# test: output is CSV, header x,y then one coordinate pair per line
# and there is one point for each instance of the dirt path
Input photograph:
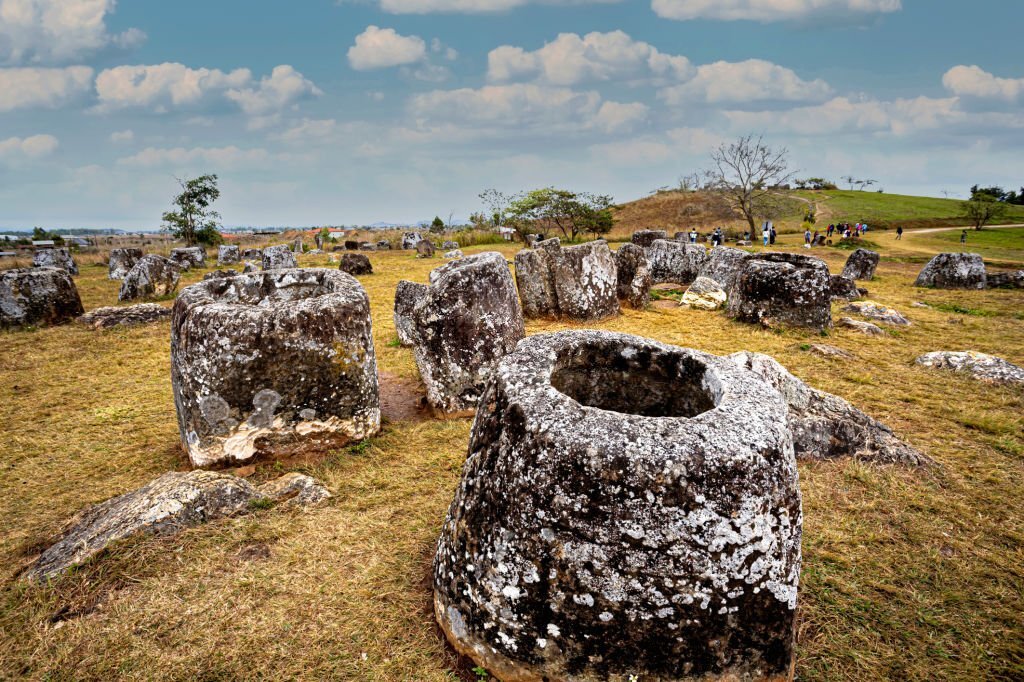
x,y
929,230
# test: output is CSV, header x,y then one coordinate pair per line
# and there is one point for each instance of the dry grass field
x,y
907,575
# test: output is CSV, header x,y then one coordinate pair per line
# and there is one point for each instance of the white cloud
x,y
33,147
614,117
310,129
57,30
753,80
771,10
470,6
23,88
122,136
650,149
571,59
213,157
973,81
281,89
379,48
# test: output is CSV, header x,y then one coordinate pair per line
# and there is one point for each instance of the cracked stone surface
x,y
228,254
634,276
153,276
626,508
877,312
278,257
127,316
953,271
57,257
724,265
861,265
704,294
644,238
122,261
355,264
572,283
783,288
987,368
672,261
37,296
407,294
269,359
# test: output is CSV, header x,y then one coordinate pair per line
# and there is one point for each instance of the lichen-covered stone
x,y
424,249
166,506
253,254
37,296
704,294
122,261
877,312
861,265
449,245
627,510
573,283
55,258
825,426
220,274
410,240
152,276
468,320
634,276
457,253
189,257
127,316
355,264
645,238
278,257
981,366
842,288
783,288
865,328
383,245
265,360
724,265
407,294
1005,280
228,254
953,271
249,267
679,262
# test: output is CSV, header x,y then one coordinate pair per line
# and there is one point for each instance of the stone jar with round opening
x,y
264,362
627,508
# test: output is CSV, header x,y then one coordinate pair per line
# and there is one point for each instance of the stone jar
x,y
783,288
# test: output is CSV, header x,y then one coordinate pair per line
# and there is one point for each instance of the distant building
x,y
507,233
43,243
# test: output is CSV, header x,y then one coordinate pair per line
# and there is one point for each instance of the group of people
x,y
717,238
847,231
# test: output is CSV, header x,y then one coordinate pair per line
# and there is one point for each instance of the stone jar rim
x,y
254,290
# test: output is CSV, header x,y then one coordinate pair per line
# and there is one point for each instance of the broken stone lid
x,y
266,359
627,508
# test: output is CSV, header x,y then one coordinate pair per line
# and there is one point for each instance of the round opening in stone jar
x,y
275,286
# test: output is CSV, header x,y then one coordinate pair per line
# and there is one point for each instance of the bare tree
x,y
983,209
746,171
849,179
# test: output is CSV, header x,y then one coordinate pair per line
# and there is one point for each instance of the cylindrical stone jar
x,y
627,508
266,360
783,288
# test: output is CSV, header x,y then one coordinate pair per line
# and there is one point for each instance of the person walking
x,y
771,236
807,239
693,236
765,235
899,233
963,237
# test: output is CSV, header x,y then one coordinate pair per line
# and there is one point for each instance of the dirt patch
x,y
401,400
665,304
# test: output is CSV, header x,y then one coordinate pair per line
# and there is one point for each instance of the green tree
x,y
193,220
982,209
570,213
437,226
41,235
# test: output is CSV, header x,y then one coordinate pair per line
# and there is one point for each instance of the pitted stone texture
x,y
228,254
843,288
825,426
783,288
1005,280
878,312
865,328
410,240
678,262
953,271
466,322
981,366
262,361
355,264
634,276
724,265
704,294
37,296
152,276
127,316
573,283
626,508
424,249
645,238
189,257
55,258
166,506
122,261
278,257
861,265
407,294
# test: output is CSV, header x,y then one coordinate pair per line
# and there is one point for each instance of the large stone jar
x,y
627,508
783,288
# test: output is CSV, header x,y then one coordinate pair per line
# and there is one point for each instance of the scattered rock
x,y
575,283
127,316
367,246
355,264
424,249
826,351
646,238
457,253
861,265
633,276
189,257
165,506
988,368
265,360
383,245
673,261
876,311
468,320
862,327
407,294
228,254
153,276
843,288
278,257
449,245
825,426
953,271
253,255
351,245
1005,280
122,261
724,265
784,288
55,258
704,294
410,240
37,296
626,509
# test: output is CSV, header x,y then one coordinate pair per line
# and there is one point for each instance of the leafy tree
x,y
193,220
983,208
570,213
497,204
41,235
746,171
437,226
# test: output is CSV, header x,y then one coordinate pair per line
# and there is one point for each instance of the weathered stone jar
x,y
626,508
783,288
265,360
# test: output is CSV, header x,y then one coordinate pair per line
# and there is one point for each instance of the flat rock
x,y
878,312
153,276
407,294
704,294
37,296
573,283
367,246
861,265
121,262
827,351
57,257
126,316
862,327
278,257
987,368
953,271
457,253
633,276
355,264
672,261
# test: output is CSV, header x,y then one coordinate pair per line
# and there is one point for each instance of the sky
x,y
340,112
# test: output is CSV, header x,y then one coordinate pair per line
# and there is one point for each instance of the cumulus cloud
x,y
771,10
571,59
470,6
310,129
211,157
23,88
973,81
380,48
753,80
33,147
281,89
58,30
